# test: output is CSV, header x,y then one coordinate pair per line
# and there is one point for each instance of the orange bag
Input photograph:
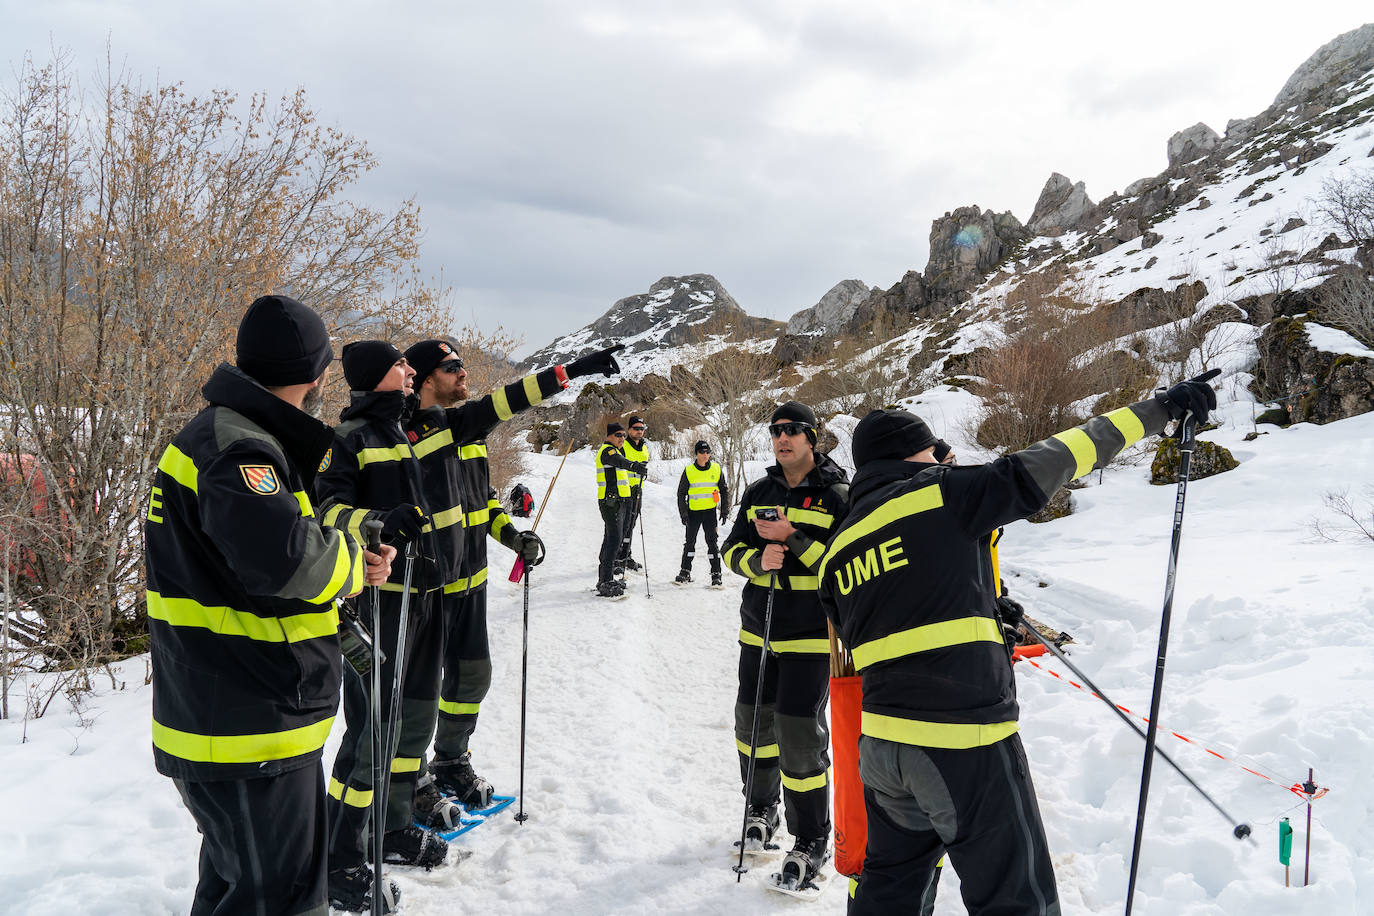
x,y
851,820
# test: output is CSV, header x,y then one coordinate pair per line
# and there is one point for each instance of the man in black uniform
x,y
242,581
908,582
635,450
372,474
615,499
809,494
451,443
701,493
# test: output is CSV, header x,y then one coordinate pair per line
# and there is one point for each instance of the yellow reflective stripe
x,y
354,798
355,525
810,517
177,465
502,404
952,735
331,515
806,784
431,444
405,764
532,392
767,750
374,455
343,571
472,450
307,510
793,583
1128,424
744,560
462,585
812,555
1082,447
292,742
446,518
186,612
894,510
796,646
942,635
479,517
501,524
458,709
854,885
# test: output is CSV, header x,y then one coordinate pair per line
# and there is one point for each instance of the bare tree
x,y
1347,301
1348,203
1355,521
134,228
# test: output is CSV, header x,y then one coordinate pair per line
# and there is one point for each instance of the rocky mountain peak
x,y
1062,206
834,309
1340,58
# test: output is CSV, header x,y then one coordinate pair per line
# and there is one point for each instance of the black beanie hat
x,y
798,413
614,427
635,418
425,356
890,434
366,363
282,342
701,446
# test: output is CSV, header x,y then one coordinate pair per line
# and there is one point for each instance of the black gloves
x,y
1010,610
530,547
640,467
1194,396
724,513
404,523
602,362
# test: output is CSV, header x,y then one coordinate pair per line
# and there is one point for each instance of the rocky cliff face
x,y
674,311
833,311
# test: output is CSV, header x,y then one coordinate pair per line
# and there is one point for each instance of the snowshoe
x,y
433,811
716,581
800,875
761,823
683,578
456,778
350,891
413,846
632,565
610,589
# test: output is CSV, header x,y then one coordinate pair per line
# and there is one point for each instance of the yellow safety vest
x,y
618,475
703,486
635,454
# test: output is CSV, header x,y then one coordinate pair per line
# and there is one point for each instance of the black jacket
x,y
684,490
908,580
371,469
453,462
241,587
814,507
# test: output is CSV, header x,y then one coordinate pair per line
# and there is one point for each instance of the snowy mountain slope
x,y
632,783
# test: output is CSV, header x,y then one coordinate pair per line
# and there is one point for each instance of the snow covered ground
x,y
632,786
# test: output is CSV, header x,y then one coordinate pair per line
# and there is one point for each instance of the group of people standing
x,y
256,535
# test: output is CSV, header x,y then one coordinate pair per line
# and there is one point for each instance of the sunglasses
x,y
451,366
617,435
639,429
791,429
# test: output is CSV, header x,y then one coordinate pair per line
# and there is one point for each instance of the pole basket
x,y
851,820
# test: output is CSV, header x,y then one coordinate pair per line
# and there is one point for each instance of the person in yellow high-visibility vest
x,y
613,496
702,493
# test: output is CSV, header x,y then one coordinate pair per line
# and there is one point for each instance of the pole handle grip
x,y
374,535
517,571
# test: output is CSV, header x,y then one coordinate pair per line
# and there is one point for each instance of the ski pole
x,y
520,815
740,868
1239,830
1185,455
383,789
643,548
374,545
518,569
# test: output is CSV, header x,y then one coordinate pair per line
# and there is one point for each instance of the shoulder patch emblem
x,y
261,478
325,461
413,436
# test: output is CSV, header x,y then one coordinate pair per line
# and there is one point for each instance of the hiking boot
x,y
715,580
350,890
683,578
608,589
412,846
455,778
433,810
760,825
631,565
805,859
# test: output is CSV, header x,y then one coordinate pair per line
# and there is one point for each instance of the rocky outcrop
x,y
1193,143
965,245
904,300
1208,459
834,309
1062,206
1339,59
1317,386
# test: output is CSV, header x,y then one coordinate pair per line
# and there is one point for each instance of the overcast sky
x,y
566,154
